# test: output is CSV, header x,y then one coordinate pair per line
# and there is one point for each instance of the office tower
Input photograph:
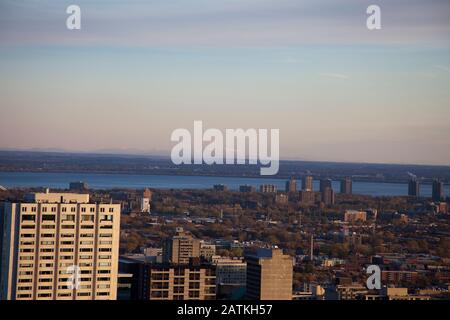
x,y
59,246
438,190
181,247
246,188
207,250
267,188
192,281
307,197
269,275
230,271
291,185
231,277
144,200
328,196
346,185
325,183
413,188
307,183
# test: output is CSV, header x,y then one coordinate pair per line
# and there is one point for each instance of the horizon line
x,y
145,154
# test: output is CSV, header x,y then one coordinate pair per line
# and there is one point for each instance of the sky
x,y
137,70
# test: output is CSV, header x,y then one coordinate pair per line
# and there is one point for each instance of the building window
x,y
64,294
23,288
105,235
47,243
103,294
83,294
49,217
87,217
104,264
194,285
28,217
106,217
68,218
103,279
47,235
87,235
194,276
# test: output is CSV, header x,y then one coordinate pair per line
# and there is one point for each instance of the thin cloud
x,y
334,75
442,68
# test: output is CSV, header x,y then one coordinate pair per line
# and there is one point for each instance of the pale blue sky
x,y
136,72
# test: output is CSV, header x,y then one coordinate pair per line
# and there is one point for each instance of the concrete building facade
x,y
269,275
59,246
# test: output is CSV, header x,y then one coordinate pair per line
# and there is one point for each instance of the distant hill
x,y
158,165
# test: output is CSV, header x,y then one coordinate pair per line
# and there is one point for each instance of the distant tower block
x,y
325,183
413,188
307,183
346,185
291,185
328,196
438,190
145,201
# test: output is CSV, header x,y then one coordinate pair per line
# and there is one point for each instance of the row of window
x,y
65,235
62,265
63,250
64,209
68,294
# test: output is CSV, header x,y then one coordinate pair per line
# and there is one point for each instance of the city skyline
x,y
133,74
